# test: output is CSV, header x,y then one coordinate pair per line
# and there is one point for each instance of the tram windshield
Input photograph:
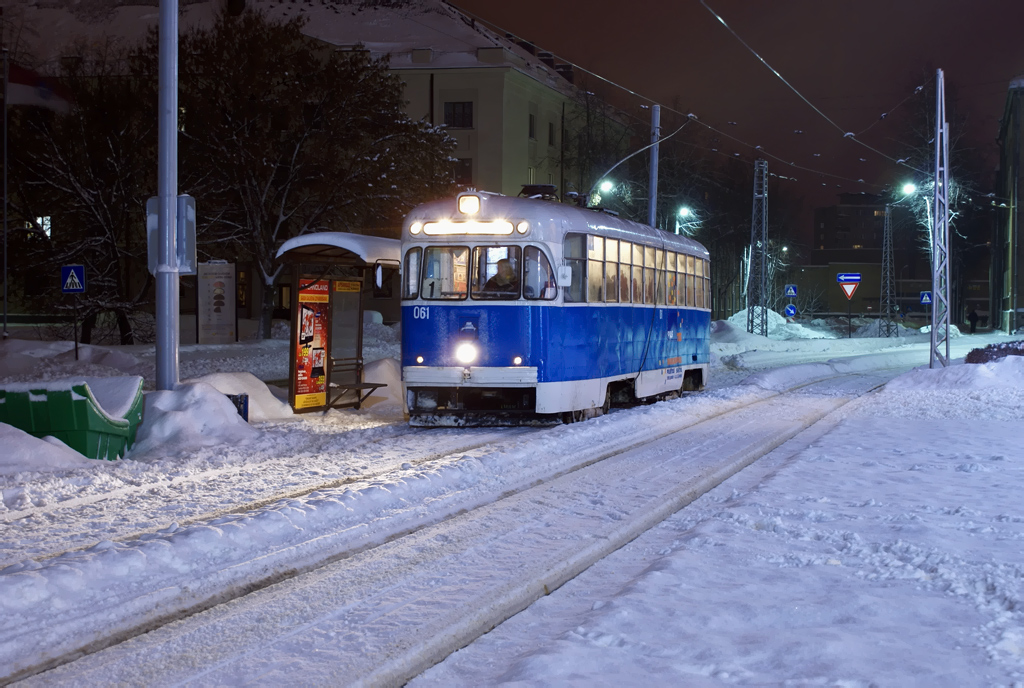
x,y
445,272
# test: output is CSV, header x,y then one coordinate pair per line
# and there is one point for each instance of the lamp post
x,y
682,216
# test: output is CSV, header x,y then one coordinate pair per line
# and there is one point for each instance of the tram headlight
x,y
466,353
523,227
419,359
415,228
469,204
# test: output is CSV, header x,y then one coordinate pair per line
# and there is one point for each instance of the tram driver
x,y
505,280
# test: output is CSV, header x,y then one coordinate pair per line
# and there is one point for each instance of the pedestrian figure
x,y
972,318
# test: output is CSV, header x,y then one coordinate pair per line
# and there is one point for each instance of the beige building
x,y
505,113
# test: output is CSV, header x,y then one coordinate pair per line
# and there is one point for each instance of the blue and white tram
x,y
519,310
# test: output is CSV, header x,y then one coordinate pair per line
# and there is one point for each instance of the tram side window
x,y
699,282
611,270
648,274
538,277
689,282
659,262
574,254
411,283
681,280
445,272
670,278
625,258
595,269
707,284
496,272
638,273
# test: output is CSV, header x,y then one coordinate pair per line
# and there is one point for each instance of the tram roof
x,y
547,218
341,247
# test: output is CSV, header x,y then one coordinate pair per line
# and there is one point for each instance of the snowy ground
x,y
882,547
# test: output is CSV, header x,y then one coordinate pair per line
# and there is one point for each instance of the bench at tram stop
x,y
96,416
353,391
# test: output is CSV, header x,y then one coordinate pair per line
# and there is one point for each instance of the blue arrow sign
x,y
848,277
790,291
790,311
72,279
926,298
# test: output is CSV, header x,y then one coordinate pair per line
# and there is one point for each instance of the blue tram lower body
x,y
547,359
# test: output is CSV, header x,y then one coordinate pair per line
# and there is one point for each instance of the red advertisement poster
x,y
311,346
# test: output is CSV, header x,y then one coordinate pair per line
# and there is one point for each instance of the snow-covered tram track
x,y
372,573
191,510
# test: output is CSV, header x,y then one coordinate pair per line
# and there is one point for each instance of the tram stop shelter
x,y
331,272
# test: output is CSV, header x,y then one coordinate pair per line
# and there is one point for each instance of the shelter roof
x,y
340,247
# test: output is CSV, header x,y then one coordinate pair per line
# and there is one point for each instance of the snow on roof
x,y
370,249
395,32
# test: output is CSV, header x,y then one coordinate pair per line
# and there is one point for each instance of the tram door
x,y
346,333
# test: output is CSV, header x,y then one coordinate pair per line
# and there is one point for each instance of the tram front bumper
x,y
469,376
472,395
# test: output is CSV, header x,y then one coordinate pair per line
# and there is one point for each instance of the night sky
x,y
853,60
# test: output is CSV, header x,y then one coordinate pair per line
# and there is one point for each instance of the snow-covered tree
x,y
78,187
282,135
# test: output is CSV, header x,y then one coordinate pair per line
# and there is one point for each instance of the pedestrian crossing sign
x,y
72,279
790,291
926,298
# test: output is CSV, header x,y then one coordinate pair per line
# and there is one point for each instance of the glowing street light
x,y
908,189
606,186
684,212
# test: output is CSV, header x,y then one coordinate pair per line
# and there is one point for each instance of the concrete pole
x,y
167,310
652,202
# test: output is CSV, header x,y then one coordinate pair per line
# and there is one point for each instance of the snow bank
x,y
1005,372
388,371
263,405
25,453
780,328
193,415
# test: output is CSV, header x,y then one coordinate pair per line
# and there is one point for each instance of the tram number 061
x,y
421,312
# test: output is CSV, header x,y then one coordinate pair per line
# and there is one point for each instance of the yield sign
x,y
848,288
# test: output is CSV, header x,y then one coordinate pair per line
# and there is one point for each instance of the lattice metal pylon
x,y
887,320
757,272
940,234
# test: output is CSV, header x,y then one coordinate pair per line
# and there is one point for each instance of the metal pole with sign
x,y
848,282
72,281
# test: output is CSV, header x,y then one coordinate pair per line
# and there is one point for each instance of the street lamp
x,y
909,189
606,186
683,215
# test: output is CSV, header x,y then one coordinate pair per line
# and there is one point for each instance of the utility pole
x,y
940,234
167,280
757,273
652,201
887,322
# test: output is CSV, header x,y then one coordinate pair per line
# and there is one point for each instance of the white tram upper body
x,y
521,310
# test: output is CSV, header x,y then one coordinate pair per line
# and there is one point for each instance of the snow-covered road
x,y
372,552
455,580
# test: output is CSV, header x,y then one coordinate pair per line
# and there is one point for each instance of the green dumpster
x,y
96,416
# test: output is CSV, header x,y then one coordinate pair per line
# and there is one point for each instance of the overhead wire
x,y
759,149
846,134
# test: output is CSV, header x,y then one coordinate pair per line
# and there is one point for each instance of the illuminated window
x,y
43,223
